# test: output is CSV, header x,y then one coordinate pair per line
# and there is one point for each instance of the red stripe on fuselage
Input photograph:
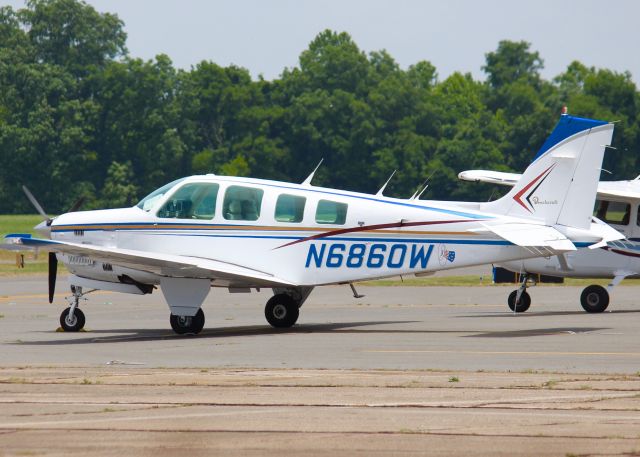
x,y
373,227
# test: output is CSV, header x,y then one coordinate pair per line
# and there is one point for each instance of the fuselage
x,y
304,234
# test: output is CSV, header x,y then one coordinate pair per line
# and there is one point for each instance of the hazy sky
x,y
265,36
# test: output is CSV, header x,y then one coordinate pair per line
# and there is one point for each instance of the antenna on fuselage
x,y
379,193
307,182
417,195
424,187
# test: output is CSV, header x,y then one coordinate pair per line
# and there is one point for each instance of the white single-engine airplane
x,y
617,204
206,231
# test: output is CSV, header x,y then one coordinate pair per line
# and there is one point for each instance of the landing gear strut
x,y
72,319
519,300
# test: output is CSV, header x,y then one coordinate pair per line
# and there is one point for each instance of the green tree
x,y
119,190
72,34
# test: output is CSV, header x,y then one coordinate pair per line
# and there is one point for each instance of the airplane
x,y
239,233
617,204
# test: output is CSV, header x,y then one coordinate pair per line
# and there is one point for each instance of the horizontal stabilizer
x,y
604,231
533,236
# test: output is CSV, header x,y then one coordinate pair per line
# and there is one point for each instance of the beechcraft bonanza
x,y
617,204
216,231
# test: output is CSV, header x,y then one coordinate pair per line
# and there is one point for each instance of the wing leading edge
x,y
160,264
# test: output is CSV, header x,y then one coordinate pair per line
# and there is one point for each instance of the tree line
x,y
80,116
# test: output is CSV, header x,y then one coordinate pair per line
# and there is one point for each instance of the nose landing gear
x,y
72,319
519,300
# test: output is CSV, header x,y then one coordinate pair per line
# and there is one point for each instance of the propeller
x,y
53,271
44,228
76,206
37,206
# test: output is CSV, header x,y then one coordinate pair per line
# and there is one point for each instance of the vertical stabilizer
x,y
560,185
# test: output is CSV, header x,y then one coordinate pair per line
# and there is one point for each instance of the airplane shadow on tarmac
x,y
536,332
132,335
534,314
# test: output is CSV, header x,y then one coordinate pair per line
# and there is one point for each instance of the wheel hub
x,y
71,320
593,299
279,311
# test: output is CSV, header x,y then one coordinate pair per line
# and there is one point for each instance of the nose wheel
x,y
522,304
519,300
594,299
72,319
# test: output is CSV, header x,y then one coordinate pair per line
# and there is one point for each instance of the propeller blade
x,y
53,271
35,203
76,206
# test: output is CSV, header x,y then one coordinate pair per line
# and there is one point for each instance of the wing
x,y
493,177
625,189
161,264
606,189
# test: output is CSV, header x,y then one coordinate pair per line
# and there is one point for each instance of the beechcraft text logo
x,y
527,192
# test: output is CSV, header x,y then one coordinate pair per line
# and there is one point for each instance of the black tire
x,y
187,324
281,311
594,299
73,324
523,305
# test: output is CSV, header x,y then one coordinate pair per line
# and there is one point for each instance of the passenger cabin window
x,y
329,212
290,208
613,212
191,201
242,203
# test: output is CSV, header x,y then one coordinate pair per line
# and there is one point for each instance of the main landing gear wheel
x,y
187,324
281,311
522,305
72,322
594,299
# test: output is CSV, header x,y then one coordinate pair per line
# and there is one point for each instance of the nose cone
x,y
44,228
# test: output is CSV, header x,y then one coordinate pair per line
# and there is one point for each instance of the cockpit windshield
x,y
148,202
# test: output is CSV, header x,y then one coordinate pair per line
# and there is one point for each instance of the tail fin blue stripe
x,y
566,127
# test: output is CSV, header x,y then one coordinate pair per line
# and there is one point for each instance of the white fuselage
x,y
378,236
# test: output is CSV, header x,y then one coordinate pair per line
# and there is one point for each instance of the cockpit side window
x,y
613,212
242,203
329,212
191,201
289,208
148,202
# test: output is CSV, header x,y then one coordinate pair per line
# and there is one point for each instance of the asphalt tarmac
x,y
402,371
